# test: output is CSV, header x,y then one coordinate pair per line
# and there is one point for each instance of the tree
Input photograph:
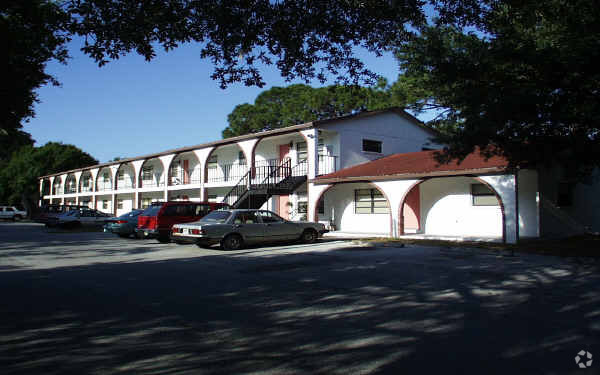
x,y
33,33
19,177
522,77
296,104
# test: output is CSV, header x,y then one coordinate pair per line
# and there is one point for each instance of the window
x,y
105,177
369,145
269,217
242,157
211,163
147,173
202,209
212,198
483,196
370,201
302,207
104,205
120,204
302,150
245,217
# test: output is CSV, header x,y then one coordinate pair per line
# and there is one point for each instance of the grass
x,y
578,246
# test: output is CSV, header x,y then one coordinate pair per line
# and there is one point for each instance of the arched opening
x,y
462,206
125,177
46,187
70,184
185,169
151,173
104,181
226,163
57,186
357,207
85,182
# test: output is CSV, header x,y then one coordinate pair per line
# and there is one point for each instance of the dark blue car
x,y
123,225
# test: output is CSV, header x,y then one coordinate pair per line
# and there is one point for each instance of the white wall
x,y
127,200
396,133
528,205
339,206
447,209
99,205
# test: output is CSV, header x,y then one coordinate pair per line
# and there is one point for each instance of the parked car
x,y
124,225
235,228
159,218
12,213
49,212
76,218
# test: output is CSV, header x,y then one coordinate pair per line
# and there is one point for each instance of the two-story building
x,y
369,173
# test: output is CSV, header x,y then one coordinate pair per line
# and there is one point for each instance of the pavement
x,y
93,303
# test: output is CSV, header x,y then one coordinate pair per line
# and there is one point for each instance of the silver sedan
x,y
235,228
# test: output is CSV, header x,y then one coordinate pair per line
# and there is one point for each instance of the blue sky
x,y
131,107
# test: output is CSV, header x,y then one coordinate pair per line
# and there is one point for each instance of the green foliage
x,y
19,176
523,77
296,104
33,34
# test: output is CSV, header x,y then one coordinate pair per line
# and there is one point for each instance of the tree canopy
x,y
523,79
296,104
19,176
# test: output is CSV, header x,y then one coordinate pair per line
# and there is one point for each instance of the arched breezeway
x,y
361,208
461,206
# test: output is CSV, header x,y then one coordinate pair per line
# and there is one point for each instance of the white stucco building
x,y
370,173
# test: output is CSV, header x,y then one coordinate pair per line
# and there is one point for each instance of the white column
x,y
137,168
77,180
63,184
113,171
94,173
313,194
505,187
395,191
41,200
248,147
312,140
51,187
202,156
166,162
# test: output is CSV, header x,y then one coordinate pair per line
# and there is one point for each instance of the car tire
x,y
123,235
17,218
232,242
309,236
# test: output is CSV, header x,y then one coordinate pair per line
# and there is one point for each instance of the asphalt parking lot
x,y
93,303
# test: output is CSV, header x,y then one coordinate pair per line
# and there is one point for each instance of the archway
x,y
125,177
464,206
360,207
70,184
184,169
225,163
57,185
85,182
151,173
104,180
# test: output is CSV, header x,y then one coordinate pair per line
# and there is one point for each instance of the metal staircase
x,y
281,180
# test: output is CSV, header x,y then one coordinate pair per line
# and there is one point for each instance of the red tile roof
x,y
416,164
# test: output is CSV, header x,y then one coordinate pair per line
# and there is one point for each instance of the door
x,y
249,226
186,171
283,208
276,228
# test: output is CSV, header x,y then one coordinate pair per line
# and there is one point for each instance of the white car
x,y
12,213
75,218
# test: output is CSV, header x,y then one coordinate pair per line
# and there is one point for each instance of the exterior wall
x,y
104,207
447,209
339,210
157,176
194,169
185,195
586,202
396,133
126,202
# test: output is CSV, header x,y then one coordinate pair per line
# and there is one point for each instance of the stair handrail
x,y
271,179
239,189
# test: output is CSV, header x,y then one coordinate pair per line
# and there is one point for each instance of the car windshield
x,y
216,217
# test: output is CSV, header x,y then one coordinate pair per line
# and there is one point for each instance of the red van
x,y
156,221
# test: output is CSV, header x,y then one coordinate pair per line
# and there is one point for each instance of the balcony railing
x,y
70,190
104,186
327,164
153,183
185,177
85,189
125,184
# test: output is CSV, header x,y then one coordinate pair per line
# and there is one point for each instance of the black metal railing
x,y
277,173
239,189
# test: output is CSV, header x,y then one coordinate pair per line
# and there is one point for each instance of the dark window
x,y
302,207
202,209
245,217
321,206
216,217
371,146
269,217
170,211
242,157
211,163
370,201
483,196
147,173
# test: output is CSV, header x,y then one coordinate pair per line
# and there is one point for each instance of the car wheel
x,y
17,218
123,235
232,242
308,236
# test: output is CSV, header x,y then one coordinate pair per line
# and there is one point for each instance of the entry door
x,y
283,209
